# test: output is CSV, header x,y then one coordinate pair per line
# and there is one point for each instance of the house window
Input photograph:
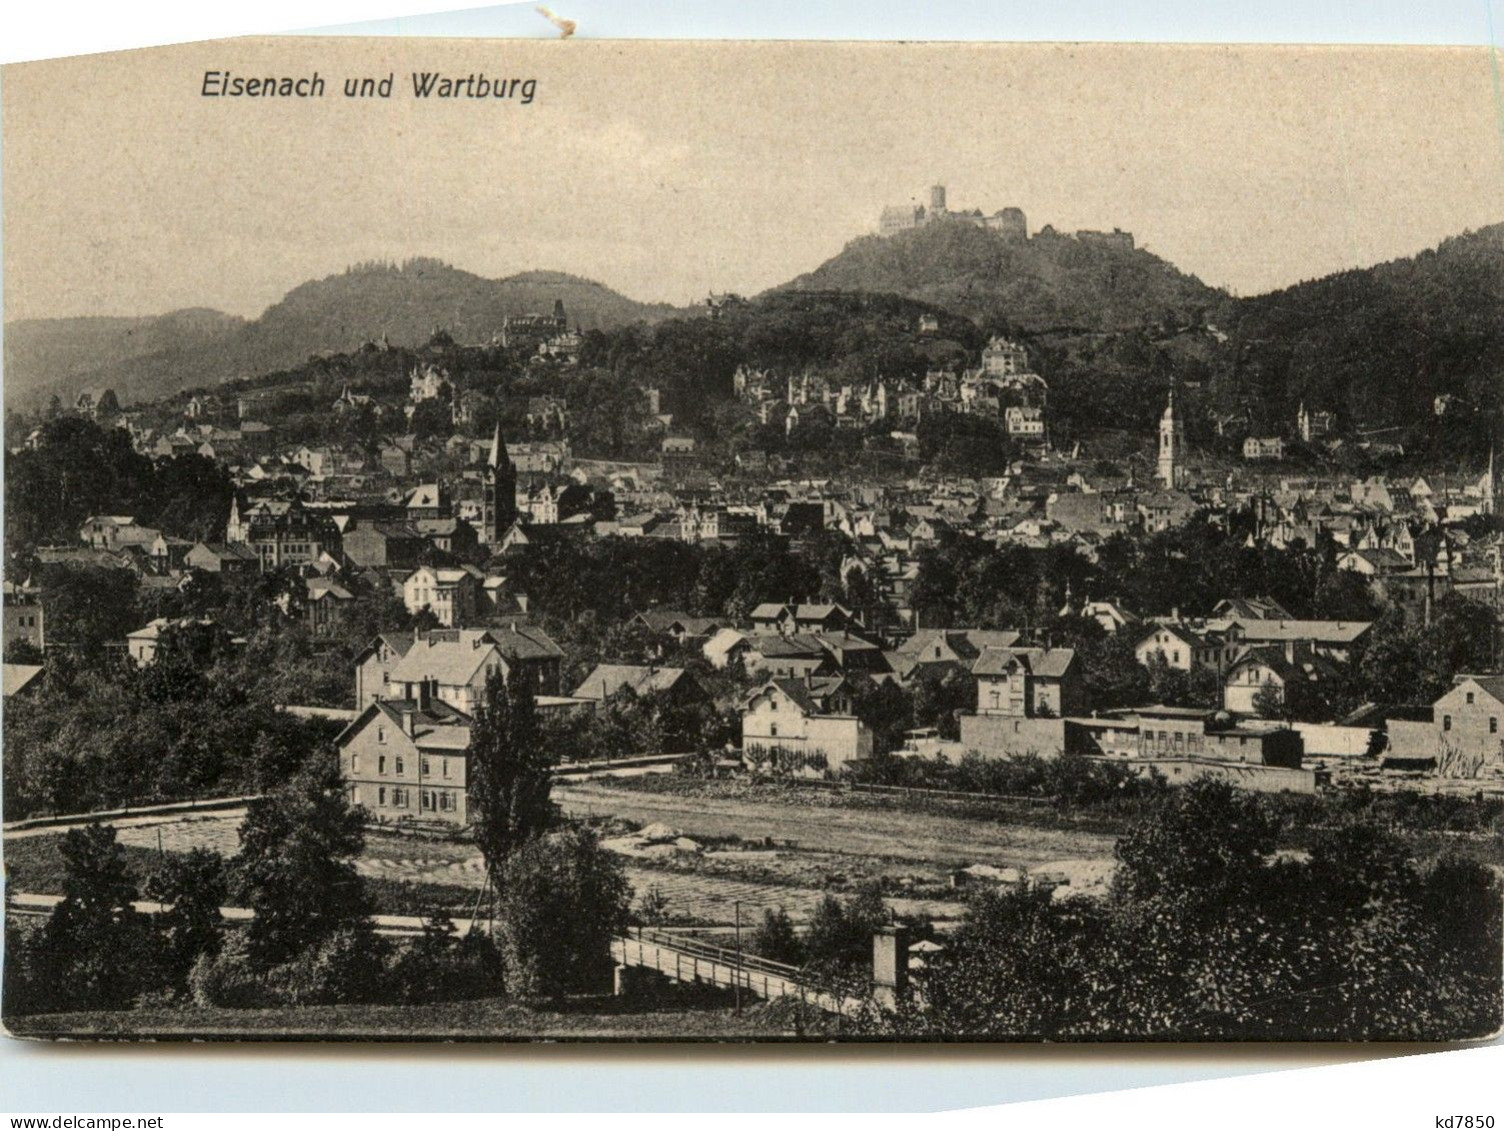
x,y
399,765
1493,724
1469,698
399,798
381,796
1446,722
381,764
423,766
937,651
381,734
354,762
444,767
1177,655
426,800
772,730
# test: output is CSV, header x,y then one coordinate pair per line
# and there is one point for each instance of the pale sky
x,y
665,170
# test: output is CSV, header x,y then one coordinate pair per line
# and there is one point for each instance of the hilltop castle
x,y
1010,222
898,217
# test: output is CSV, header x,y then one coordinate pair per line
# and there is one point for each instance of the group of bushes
x,y
560,899
353,965
1069,780
1208,933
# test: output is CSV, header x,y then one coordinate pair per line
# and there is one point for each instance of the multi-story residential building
x,y
282,533
1024,422
1185,645
1263,447
451,594
1467,726
1028,682
25,619
784,720
117,532
405,760
426,383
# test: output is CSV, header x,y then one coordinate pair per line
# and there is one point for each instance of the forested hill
x,y
144,359
1380,345
63,355
1048,281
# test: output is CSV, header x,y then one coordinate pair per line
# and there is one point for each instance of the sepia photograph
x,y
644,541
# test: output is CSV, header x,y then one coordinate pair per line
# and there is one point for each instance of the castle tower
x,y
937,200
1170,469
499,493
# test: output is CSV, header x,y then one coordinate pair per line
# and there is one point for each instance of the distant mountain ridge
x,y
148,358
1416,342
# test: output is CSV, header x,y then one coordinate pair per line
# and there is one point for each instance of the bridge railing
x,y
724,955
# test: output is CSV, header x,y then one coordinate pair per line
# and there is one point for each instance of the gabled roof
x,y
1306,669
792,646
18,677
1047,663
523,642
436,726
398,642
608,679
794,689
1264,608
967,643
1329,631
452,663
819,612
236,551
1491,684
666,620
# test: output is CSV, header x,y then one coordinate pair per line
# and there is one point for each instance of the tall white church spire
x,y
1170,469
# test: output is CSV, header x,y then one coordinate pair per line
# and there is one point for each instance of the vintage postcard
x,y
521,540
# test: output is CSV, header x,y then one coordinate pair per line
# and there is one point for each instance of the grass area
x,y
490,1019
35,865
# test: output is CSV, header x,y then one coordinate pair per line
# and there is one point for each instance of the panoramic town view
x,y
994,632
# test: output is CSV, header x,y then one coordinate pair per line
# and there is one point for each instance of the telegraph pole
x,y
737,981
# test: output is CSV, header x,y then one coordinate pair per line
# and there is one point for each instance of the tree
x,y
432,417
775,940
510,772
94,951
839,938
563,898
1269,701
294,869
195,886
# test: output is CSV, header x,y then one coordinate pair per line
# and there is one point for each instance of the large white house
x,y
450,594
784,718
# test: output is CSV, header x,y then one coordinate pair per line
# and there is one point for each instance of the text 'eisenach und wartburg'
x,y
425,84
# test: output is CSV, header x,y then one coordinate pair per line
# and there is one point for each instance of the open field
x,y
817,825
760,850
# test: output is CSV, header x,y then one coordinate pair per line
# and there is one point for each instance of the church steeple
x,y
499,493
1170,470
498,456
